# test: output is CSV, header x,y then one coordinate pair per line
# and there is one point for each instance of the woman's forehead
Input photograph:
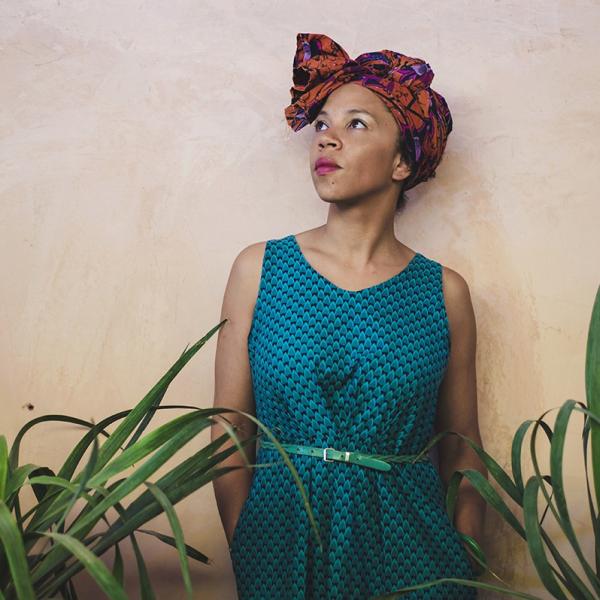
x,y
350,96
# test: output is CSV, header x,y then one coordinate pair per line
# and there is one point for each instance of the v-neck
x,y
330,283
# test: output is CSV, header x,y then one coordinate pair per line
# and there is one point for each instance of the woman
x,y
347,344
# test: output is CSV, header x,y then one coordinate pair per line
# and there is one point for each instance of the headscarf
x,y
403,83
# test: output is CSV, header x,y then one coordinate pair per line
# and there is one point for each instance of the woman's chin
x,y
333,199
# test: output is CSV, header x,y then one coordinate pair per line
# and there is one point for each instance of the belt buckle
x,y
325,454
346,457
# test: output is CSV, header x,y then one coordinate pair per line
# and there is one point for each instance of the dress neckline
x,y
330,283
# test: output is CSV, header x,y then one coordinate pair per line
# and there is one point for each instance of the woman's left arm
x,y
457,406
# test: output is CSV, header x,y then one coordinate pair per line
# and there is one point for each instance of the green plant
x,y
42,549
560,579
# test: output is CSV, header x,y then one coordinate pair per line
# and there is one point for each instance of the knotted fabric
x,y
403,83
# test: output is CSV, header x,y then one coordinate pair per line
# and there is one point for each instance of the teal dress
x,y
350,370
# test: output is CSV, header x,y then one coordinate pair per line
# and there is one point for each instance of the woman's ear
x,y
401,171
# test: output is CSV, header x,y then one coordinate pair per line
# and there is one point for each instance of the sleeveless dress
x,y
351,370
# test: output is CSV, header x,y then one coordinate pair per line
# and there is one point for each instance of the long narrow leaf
x,y
146,591
93,565
189,550
15,448
3,467
475,550
465,582
495,470
87,473
593,514
40,490
17,479
118,569
72,591
145,446
77,453
517,451
10,537
485,490
568,577
534,540
177,532
592,389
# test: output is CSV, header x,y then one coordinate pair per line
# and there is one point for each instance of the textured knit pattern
x,y
352,370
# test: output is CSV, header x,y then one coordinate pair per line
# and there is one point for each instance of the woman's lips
x,y
326,169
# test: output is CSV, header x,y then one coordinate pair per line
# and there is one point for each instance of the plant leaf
x,y
40,490
592,388
146,591
118,568
11,539
485,489
167,539
534,539
93,565
466,582
177,532
3,467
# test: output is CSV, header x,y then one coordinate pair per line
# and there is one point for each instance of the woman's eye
x,y
353,121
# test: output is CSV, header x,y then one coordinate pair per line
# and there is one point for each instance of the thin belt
x,y
381,462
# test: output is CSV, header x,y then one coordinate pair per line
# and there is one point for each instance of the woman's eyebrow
x,y
350,111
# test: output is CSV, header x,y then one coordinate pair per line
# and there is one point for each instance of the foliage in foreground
x,y
70,525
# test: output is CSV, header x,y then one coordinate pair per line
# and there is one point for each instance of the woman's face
x,y
362,143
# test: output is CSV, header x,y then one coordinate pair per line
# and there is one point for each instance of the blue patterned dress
x,y
351,370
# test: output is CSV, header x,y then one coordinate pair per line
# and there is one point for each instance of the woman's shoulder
x,y
457,299
454,283
250,256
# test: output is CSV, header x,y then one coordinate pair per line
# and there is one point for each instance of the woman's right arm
x,y
233,381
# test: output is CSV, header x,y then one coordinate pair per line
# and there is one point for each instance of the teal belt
x,y
381,462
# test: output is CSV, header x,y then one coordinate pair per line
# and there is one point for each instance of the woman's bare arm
x,y
233,381
457,405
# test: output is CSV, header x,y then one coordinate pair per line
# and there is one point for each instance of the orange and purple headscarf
x,y
403,83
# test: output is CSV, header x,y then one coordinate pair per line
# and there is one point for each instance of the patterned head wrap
x,y
321,65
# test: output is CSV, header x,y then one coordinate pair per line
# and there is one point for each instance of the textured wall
x,y
144,144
